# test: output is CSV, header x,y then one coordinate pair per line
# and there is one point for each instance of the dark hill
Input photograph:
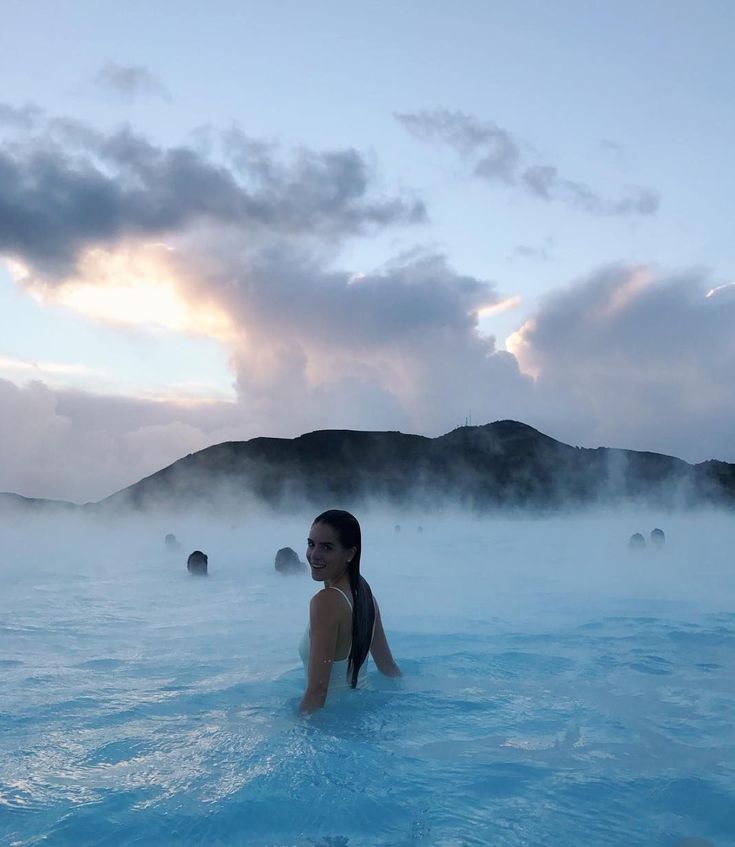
x,y
503,464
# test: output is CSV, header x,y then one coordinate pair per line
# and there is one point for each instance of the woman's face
x,y
325,554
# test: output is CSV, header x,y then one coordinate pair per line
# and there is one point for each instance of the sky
x,y
239,219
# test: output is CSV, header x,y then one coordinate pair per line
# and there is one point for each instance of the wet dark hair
x,y
347,528
657,536
637,541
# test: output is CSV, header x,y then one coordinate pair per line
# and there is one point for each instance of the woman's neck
x,y
342,582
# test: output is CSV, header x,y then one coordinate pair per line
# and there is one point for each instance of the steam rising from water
x,y
544,665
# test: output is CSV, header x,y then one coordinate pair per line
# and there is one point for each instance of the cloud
x,y
506,305
311,348
495,154
293,376
80,447
248,240
23,118
290,290
628,356
129,81
44,370
634,357
379,350
537,253
726,290
66,187
133,284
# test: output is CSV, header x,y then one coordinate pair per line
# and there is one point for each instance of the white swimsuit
x,y
338,676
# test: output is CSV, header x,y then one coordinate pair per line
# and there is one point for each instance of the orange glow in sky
x,y
132,284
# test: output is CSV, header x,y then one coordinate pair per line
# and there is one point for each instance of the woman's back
x,y
338,676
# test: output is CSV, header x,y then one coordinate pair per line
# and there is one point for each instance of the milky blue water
x,y
557,689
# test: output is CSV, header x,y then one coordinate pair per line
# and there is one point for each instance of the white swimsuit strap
x,y
349,602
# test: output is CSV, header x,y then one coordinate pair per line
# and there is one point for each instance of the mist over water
x,y
557,688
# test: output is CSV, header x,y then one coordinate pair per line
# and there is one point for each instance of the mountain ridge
x,y
504,464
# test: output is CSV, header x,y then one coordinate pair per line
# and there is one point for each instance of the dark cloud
x,y
22,118
612,146
291,291
537,253
634,358
495,154
638,201
68,186
129,81
544,181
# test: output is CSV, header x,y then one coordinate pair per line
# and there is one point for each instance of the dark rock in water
x,y
197,563
171,542
658,539
287,561
637,542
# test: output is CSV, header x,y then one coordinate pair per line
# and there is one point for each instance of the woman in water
x,y
344,618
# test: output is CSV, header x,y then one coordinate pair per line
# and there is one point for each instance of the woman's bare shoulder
x,y
325,601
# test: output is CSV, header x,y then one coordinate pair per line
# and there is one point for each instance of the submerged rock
x,y
287,561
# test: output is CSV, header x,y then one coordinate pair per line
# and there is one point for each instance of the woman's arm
x,y
379,649
323,627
